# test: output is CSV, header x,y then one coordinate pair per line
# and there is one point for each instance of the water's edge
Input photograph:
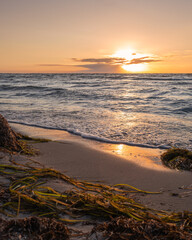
x,y
94,138
148,157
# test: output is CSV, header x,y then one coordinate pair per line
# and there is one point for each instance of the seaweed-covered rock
x,y
8,138
177,158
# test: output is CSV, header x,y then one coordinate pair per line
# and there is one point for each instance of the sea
x,y
147,110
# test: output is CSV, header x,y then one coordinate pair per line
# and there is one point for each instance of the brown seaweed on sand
x,y
33,228
177,158
122,228
11,141
8,138
28,195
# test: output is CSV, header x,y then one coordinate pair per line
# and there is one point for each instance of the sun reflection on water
x,y
119,149
145,157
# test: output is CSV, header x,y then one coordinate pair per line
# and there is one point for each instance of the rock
x,y
8,138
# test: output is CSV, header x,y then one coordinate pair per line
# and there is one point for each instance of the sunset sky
x,y
117,36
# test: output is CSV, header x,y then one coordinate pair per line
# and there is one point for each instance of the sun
x,y
135,67
130,55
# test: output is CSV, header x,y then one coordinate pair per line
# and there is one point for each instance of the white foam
x,y
95,138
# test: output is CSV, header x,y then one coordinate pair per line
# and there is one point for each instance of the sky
x,y
112,36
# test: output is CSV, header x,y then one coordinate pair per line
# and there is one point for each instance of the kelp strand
x,y
29,195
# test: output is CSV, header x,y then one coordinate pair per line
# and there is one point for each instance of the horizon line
x,y
94,73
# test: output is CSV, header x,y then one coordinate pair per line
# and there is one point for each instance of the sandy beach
x,y
99,188
78,158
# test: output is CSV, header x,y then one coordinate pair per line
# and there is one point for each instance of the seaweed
x,y
27,149
8,138
28,193
177,158
33,228
33,139
13,142
122,228
99,200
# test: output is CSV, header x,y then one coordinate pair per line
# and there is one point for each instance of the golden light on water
x,y
119,149
148,158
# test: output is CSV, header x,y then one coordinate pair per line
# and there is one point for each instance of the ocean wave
x,y
11,87
150,108
184,109
95,138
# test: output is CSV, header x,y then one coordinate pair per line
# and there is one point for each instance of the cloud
x,y
105,64
101,67
143,60
92,67
117,61
107,60
111,64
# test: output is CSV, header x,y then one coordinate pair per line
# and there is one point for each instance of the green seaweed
x,y
33,139
28,194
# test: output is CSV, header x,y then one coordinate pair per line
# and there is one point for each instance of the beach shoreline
x,y
143,156
83,160
69,180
